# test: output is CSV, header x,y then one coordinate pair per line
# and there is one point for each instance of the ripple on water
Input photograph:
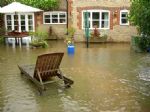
x,y
144,73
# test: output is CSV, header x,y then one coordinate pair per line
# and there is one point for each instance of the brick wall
x,y
38,18
116,33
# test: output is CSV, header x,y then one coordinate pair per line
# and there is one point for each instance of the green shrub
x,y
142,42
39,39
2,39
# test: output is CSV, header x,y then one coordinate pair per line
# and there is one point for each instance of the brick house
x,y
109,16
22,22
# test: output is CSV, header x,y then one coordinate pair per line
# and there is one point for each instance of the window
x,y
97,18
30,22
104,20
23,25
124,17
55,18
9,22
19,22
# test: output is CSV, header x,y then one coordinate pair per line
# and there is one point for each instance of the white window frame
x,y
122,11
100,12
19,21
55,12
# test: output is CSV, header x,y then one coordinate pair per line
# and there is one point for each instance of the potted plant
x,y
69,40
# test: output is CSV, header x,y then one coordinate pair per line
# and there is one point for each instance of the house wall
x,y
58,29
116,33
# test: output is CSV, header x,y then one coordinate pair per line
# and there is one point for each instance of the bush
x,y
142,42
39,39
2,39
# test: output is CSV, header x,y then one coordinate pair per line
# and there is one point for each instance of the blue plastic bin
x,y
71,49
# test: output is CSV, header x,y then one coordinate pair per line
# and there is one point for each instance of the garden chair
x,y
46,67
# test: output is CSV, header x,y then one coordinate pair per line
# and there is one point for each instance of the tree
x,y
140,15
42,4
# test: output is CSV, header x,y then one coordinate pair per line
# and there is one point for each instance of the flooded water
x,y
108,78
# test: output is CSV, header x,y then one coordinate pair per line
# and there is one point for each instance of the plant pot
x,y
71,49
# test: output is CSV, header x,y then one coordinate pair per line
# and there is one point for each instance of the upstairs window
x,y
124,17
55,18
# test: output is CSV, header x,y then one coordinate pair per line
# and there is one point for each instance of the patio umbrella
x,y
16,7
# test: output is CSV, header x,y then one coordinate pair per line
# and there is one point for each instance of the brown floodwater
x,y
108,78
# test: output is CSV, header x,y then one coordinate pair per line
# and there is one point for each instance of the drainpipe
x,y
67,17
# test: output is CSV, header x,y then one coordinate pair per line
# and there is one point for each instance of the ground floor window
x,y
19,22
97,18
55,17
124,17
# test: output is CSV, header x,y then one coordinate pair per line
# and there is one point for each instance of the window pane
x,y
15,22
61,15
23,28
8,17
31,28
30,22
105,15
15,17
124,14
30,17
16,28
22,17
104,24
54,16
8,22
54,20
95,15
9,28
124,21
22,22
47,21
62,20
95,24
47,16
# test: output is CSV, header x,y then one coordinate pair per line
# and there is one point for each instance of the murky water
x,y
108,78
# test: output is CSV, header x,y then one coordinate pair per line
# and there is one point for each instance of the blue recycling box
x,y
71,49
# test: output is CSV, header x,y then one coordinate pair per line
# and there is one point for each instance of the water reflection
x,y
108,78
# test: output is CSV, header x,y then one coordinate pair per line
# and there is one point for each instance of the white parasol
x,y
16,7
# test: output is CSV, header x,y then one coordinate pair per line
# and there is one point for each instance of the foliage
x,y
38,38
140,15
2,32
95,33
2,39
42,4
142,42
69,39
